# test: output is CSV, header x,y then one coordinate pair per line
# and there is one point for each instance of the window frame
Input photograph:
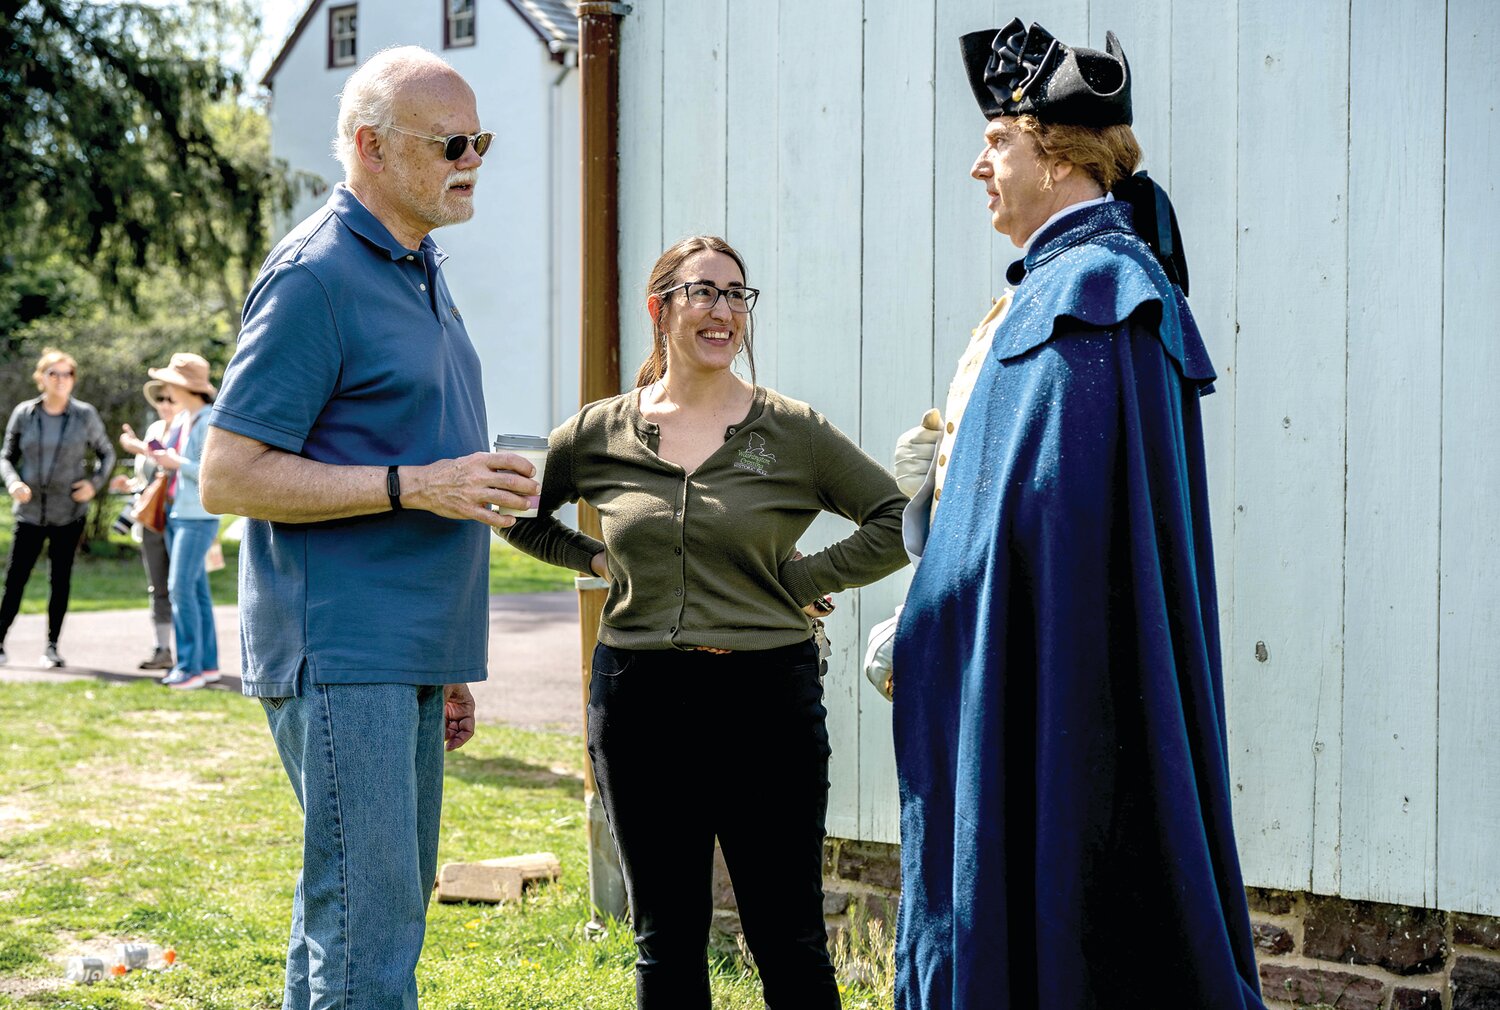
x,y
468,42
335,61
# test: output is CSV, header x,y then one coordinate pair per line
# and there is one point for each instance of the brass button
x,y
942,460
937,495
950,427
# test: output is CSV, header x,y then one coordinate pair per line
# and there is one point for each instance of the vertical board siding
x,y
1468,781
1289,442
694,84
964,244
1145,33
1341,233
1204,157
818,290
753,125
640,142
896,368
1388,837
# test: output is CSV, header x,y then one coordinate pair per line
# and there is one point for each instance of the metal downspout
x,y
598,360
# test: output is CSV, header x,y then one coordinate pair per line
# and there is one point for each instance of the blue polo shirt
x,y
352,352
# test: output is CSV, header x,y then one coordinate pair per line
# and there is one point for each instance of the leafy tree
x,y
138,188
108,151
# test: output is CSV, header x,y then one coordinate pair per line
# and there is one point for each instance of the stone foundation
x,y
1313,950
1366,955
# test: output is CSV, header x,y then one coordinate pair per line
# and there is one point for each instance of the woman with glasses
x,y
705,715
48,475
153,544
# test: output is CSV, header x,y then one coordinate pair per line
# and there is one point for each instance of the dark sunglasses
x,y
58,373
163,399
455,145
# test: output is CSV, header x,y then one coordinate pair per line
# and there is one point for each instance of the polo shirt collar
x,y
358,219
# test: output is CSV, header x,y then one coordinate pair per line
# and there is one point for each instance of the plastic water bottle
x,y
127,957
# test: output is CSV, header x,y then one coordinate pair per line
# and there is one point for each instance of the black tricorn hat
x,y
1018,71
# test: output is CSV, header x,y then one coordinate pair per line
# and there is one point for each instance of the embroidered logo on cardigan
x,y
754,456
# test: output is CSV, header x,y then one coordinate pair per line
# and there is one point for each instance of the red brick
x,y
1477,931
1268,900
1417,999
1407,941
1271,939
1475,982
1312,986
870,863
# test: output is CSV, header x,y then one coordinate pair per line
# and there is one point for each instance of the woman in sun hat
x,y
191,529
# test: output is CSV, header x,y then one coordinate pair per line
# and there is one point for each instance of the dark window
x,y
458,23
342,28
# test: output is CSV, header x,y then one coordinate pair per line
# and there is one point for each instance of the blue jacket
x,y
1059,708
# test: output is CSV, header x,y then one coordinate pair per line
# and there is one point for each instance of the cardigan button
x,y
677,591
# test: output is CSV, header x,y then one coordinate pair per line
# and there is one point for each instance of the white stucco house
x,y
513,268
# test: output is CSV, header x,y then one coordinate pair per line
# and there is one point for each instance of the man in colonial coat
x,y
1059,705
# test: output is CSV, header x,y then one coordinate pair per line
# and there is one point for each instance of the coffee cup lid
x,y
520,442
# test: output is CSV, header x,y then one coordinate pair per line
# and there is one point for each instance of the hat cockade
x,y
1025,71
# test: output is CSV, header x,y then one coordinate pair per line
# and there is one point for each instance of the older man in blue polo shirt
x,y
351,431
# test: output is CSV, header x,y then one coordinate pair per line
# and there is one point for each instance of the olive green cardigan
x,y
706,558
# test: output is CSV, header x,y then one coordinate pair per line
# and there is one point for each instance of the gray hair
x,y
369,95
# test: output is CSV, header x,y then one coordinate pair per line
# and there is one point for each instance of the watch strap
x,y
393,488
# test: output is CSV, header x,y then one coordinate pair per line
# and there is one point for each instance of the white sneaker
x,y
50,659
212,676
191,683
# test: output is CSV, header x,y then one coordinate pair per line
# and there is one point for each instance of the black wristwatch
x,y
393,488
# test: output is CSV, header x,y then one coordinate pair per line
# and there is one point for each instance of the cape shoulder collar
x,y
1069,231
1091,269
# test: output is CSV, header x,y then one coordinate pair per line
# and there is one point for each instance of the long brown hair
x,y
663,278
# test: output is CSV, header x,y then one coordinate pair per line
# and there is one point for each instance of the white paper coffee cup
x,y
533,448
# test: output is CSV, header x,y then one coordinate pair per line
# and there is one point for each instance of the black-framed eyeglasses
x,y
703,295
455,144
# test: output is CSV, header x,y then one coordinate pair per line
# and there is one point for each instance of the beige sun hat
x,y
152,390
188,370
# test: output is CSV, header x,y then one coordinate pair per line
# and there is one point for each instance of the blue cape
x,y
1059,709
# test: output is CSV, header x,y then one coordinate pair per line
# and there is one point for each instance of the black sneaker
x,y
50,659
2,655
160,659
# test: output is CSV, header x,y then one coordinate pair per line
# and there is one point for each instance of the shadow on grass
x,y
508,771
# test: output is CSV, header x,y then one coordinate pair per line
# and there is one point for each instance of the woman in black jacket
x,y
46,473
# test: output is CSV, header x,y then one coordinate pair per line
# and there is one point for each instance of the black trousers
x,y
687,746
25,548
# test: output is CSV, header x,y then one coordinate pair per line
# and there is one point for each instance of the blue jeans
x,y
366,762
188,541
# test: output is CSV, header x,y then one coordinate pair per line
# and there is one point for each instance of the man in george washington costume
x,y
1059,704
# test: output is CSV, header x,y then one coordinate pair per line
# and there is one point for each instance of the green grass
x,y
110,576
165,817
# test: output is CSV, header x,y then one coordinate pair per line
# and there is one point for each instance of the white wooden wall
x,y
1333,165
